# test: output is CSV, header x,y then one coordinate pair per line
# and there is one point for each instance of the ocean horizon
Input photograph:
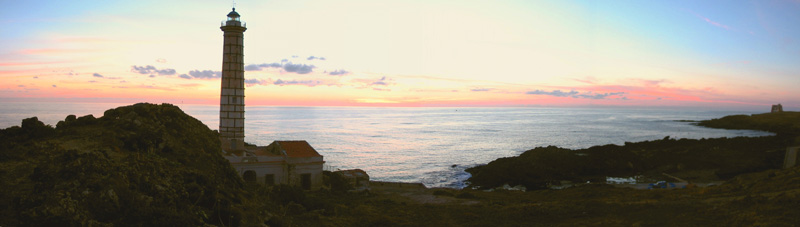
x,y
431,145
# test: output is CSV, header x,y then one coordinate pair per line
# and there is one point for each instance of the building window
x,y
269,179
305,181
249,176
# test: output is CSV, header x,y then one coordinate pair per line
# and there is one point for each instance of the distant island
x,y
154,165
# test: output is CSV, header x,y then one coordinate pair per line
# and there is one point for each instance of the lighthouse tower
x,y
231,99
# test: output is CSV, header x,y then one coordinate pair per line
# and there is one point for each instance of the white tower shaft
x,y
231,102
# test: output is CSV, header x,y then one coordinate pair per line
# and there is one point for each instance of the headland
x,y
148,164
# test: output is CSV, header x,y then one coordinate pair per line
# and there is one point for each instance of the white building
x,y
293,163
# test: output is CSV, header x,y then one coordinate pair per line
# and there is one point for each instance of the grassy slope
x,y
143,164
766,198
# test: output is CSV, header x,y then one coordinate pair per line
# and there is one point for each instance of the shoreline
x,y
710,160
154,165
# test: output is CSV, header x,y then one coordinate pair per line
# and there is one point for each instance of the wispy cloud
x,y
98,75
285,65
205,74
338,72
310,83
575,94
652,83
11,64
556,93
149,69
590,95
254,82
372,83
711,22
201,74
383,81
152,87
259,67
587,80
52,51
297,68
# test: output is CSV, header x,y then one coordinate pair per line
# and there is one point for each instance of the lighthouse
x,y
281,162
231,99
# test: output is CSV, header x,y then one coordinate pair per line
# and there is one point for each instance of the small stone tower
x,y
231,99
777,108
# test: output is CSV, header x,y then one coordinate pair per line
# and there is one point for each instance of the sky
x,y
710,54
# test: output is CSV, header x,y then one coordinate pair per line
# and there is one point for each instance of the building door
x,y
249,176
305,181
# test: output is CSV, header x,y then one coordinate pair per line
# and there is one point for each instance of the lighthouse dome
x,y
233,15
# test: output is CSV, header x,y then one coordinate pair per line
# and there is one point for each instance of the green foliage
x,y
285,194
466,195
141,165
441,192
337,182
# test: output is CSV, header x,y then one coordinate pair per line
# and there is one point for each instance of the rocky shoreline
x,y
154,165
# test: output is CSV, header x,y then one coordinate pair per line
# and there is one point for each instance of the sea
x,y
431,145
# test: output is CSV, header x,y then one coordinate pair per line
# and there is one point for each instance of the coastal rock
x,y
694,160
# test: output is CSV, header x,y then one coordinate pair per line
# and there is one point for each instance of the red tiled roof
x,y
298,149
263,151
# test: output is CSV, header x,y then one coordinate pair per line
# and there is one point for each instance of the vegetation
x,y
766,198
783,123
697,160
153,165
137,165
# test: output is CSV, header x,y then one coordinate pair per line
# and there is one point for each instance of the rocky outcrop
x,y
695,160
140,165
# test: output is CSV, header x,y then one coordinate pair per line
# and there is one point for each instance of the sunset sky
x,y
731,54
